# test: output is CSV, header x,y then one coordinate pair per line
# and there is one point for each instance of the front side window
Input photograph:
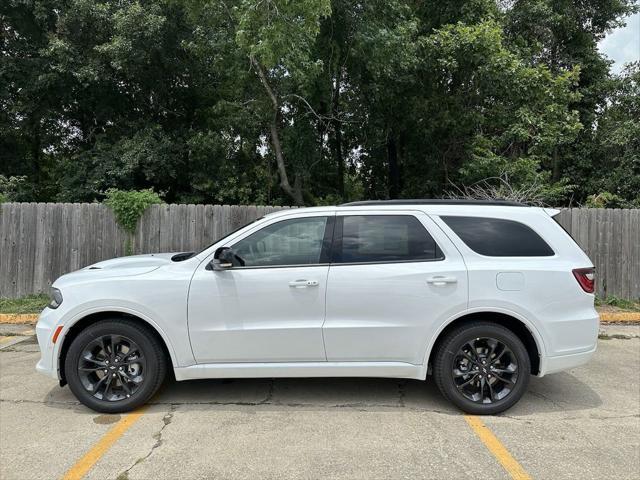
x,y
298,241
496,237
383,238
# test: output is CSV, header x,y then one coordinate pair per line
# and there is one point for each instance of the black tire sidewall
x,y
153,375
445,356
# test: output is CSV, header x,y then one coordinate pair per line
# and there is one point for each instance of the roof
x,y
435,201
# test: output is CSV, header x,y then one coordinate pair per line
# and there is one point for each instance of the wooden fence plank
x,y
634,258
5,252
14,265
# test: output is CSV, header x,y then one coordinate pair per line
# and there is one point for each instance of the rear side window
x,y
382,238
495,237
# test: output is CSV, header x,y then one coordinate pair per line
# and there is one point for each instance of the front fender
x,y
47,322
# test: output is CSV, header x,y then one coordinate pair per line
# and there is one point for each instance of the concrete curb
x,y
605,317
619,317
18,318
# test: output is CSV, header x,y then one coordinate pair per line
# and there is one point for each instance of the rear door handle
x,y
440,280
303,283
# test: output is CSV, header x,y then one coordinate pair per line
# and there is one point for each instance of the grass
x,y
612,301
29,304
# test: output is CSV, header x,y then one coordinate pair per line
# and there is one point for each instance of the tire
x,y
117,379
455,373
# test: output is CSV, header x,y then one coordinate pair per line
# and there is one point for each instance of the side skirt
x,y
301,369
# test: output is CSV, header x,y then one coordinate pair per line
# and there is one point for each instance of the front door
x,y
271,305
394,279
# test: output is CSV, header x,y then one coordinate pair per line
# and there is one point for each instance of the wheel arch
x,y
520,327
90,318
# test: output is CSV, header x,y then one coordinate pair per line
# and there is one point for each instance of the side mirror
x,y
222,259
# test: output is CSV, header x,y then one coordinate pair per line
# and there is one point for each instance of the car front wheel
x,y
115,365
482,367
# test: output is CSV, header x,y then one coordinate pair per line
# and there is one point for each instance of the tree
x,y
617,137
313,102
277,36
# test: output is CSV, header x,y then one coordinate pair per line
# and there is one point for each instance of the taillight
x,y
586,278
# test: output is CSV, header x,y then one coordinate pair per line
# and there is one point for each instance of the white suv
x,y
478,294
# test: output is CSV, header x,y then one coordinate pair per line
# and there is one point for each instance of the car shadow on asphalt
x,y
561,392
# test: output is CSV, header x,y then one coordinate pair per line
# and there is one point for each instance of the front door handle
x,y
303,283
440,280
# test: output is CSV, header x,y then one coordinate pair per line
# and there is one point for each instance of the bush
x,y
15,189
128,206
606,200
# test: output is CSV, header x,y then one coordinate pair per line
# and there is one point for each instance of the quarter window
x,y
298,241
496,237
382,238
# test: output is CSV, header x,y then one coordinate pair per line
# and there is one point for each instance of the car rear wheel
x,y
115,365
482,367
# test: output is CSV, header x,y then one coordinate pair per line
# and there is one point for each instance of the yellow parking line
x,y
513,468
4,339
80,469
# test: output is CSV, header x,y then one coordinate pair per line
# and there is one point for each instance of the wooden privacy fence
x,y
41,241
611,238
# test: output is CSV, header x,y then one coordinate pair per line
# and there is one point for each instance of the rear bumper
x,y
564,362
570,340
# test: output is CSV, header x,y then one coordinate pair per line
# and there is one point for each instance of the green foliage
x,y
613,301
15,189
607,200
128,206
280,32
34,303
376,99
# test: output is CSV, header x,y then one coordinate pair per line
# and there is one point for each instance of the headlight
x,y
56,298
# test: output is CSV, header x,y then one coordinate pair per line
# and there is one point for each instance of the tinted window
x,y
496,237
291,242
383,238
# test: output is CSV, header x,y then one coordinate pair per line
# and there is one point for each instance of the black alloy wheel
x,y
111,368
485,370
115,365
482,367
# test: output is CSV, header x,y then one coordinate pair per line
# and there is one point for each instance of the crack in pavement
x,y
269,397
47,402
305,405
166,420
362,406
401,392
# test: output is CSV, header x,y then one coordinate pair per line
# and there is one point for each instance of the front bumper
x,y
45,327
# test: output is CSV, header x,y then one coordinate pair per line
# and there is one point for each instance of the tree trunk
x,y
36,149
555,167
294,193
337,133
394,167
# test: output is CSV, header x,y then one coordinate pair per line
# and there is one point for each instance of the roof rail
x,y
435,201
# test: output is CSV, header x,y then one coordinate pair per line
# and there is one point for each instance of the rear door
x,y
394,279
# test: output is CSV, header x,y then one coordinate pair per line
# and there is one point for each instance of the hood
x,y
133,265
116,267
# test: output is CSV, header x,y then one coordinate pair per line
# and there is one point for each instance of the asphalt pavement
x,y
584,423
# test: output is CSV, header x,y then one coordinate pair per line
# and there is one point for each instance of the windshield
x,y
227,235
